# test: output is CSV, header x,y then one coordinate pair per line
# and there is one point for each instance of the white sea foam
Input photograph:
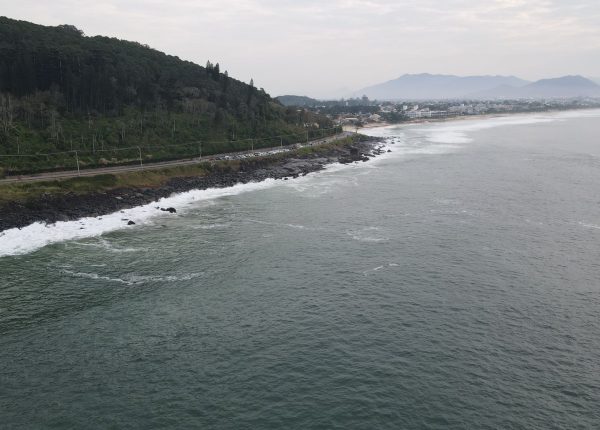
x,y
95,277
108,246
448,136
378,268
131,279
368,234
292,226
588,113
35,236
437,138
216,226
588,225
139,279
456,132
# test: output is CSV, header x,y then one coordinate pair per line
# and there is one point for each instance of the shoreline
x,y
51,208
465,118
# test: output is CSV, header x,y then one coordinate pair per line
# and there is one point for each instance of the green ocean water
x,y
451,283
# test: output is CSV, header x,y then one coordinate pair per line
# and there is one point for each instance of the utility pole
x,y
200,148
77,160
281,141
140,153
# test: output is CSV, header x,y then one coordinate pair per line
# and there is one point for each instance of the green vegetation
x,y
13,192
111,100
298,101
151,178
327,148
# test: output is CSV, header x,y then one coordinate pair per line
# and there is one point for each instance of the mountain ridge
x,y
439,86
569,86
431,86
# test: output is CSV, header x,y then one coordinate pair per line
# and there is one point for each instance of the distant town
x,y
362,111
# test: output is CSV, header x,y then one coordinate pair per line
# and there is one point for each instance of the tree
x,y
58,85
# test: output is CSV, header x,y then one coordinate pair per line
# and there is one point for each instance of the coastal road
x,y
136,168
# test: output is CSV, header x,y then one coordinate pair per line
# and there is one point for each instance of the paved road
x,y
159,165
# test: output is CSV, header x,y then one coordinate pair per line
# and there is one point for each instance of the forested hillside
x,y
301,101
63,91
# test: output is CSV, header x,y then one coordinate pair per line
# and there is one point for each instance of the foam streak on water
x,y
28,239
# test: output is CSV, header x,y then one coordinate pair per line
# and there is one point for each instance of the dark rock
x,y
130,223
49,208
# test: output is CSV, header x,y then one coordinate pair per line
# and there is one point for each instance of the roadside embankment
x,y
22,204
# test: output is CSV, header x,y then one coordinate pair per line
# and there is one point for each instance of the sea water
x,y
451,283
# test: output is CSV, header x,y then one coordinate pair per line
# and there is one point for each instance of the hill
x,y
566,86
298,101
563,87
427,86
63,91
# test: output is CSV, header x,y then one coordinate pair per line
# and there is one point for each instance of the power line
x,y
196,142
138,149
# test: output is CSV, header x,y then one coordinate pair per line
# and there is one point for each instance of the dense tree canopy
x,y
61,90
104,74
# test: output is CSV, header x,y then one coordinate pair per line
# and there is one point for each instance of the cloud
x,y
310,46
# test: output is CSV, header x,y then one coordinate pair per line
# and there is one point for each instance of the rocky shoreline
x,y
52,208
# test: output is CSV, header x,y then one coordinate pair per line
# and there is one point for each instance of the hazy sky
x,y
319,47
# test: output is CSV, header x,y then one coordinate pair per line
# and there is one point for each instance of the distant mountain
x,y
566,86
300,101
563,87
427,86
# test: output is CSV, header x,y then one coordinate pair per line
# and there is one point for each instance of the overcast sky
x,y
320,47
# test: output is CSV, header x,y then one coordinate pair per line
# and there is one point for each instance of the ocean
x,y
453,282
